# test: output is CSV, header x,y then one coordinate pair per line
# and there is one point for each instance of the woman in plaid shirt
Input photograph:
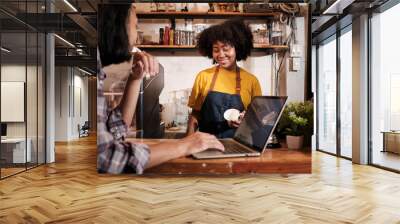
x,y
117,34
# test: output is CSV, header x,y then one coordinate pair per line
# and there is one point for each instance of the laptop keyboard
x,y
232,147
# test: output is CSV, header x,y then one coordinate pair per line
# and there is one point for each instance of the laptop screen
x,y
259,121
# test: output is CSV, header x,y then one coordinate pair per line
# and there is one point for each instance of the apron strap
x,y
238,87
214,79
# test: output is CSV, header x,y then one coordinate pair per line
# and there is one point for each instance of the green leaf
x,y
297,119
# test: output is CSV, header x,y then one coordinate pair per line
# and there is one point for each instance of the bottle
x,y
177,37
186,37
269,28
279,32
193,38
175,103
176,32
166,36
161,40
182,38
273,34
171,37
276,36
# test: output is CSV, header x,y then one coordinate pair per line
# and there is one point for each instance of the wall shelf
x,y
257,47
209,15
204,15
166,47
268,46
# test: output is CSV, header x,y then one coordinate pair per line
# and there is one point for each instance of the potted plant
x,y
296,122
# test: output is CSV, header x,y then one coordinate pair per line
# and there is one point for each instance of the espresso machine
x,y
148,120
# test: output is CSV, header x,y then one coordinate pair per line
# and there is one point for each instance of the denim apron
x,y
215,104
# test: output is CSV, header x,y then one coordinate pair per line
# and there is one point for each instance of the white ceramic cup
x,y
232,115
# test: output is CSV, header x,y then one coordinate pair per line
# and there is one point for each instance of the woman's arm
x,y
194,143
142,63
129,100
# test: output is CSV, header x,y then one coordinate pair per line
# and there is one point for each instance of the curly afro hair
x,y
233,32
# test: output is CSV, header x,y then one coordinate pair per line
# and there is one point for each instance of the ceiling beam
x,y
89,30
82,61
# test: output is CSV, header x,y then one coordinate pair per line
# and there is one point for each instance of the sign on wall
x,y
12,101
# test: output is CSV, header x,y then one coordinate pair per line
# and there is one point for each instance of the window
x,y
385,86
327,96
22,77
346,93
334,109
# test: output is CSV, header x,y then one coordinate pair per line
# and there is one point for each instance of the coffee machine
x,y
148,121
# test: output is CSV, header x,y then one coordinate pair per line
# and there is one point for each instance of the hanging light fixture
x,y
70,5
5,50
65,41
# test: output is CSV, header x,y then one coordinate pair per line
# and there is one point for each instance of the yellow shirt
x,y
225,83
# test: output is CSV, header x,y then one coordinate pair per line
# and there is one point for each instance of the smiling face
x,y
224,54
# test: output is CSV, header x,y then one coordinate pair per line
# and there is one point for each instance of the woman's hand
x,y
144,64
235,124
199,142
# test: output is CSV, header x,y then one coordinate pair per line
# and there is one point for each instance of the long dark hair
x,y
113,41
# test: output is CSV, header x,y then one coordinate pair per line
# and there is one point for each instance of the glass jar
x,y
276,35
153,7
171,7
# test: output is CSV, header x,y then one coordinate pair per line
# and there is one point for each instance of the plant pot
x,y
294,142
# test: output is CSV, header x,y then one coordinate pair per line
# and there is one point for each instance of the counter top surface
x,y
281,160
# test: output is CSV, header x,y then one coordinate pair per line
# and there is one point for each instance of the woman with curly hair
x,y
226,85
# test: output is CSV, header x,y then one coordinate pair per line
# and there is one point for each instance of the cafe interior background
x,y
279,60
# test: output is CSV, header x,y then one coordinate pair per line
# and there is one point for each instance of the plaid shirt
x,y
114,155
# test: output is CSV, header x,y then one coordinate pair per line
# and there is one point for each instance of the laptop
x,y
252,135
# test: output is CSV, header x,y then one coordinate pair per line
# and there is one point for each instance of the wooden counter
x,y
281,161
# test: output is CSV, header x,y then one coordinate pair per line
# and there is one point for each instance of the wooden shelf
x,y
190,15
208,15
166,46
172,47
268,46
